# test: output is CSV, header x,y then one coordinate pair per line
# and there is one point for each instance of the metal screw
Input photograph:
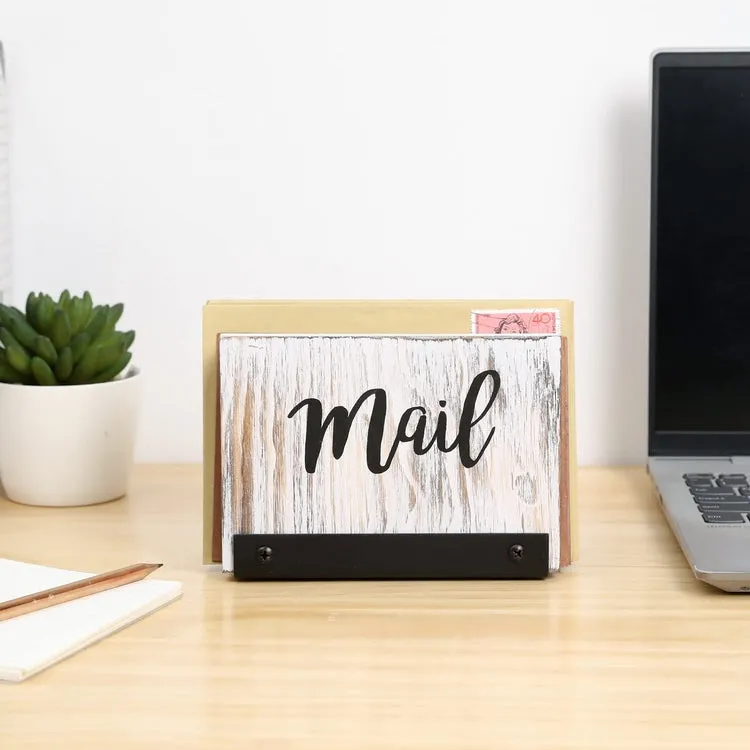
x,y
515,552
265,554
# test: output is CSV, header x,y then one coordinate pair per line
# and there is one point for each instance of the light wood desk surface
x,y
625,651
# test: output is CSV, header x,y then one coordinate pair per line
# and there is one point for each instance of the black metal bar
x,y
269,557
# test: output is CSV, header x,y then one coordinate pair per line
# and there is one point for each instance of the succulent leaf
x,y
31,304
79,343
61,329
45,349
45,314
115,370
18,357
64,364
42,372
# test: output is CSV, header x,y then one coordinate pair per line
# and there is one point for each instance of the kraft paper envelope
x,y
351,316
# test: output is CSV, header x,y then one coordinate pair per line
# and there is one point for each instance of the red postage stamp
x,y
510,322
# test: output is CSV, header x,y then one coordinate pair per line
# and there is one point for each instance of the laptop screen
x,y
700,296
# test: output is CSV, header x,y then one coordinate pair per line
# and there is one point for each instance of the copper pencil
x,y
76,590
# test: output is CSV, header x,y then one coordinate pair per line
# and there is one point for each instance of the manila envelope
x,y
351,316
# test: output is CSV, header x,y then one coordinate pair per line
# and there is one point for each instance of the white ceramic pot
x,y
68,444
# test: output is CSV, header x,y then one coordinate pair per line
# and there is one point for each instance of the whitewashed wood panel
x,y
518,484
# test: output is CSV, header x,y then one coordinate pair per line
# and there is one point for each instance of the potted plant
x,y
69,401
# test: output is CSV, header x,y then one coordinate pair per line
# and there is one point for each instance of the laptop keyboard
x,y
721,498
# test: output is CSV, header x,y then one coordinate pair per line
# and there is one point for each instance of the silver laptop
x,y
699,359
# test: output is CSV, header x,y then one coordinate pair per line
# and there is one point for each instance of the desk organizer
x,y
393,455
365,316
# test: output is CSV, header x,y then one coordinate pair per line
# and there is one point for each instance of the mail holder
x,y
393,457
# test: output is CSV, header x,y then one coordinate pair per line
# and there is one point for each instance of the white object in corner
x,y
37,640
68,444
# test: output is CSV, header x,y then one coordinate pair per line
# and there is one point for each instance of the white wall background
x,y
166,151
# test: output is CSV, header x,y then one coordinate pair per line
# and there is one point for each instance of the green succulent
x,y
70,341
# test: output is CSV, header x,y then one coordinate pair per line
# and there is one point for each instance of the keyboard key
x,y
699,482
710,505
736,500
713,492
718,517
732,480
697,476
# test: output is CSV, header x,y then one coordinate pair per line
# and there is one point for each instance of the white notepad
x,y
32,642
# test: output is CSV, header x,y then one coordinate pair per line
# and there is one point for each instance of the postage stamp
x,y
510,322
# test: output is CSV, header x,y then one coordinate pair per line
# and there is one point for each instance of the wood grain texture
x,y
362,316
515,486
625,650
566,535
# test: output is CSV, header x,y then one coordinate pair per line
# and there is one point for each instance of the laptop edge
x,y
718,552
